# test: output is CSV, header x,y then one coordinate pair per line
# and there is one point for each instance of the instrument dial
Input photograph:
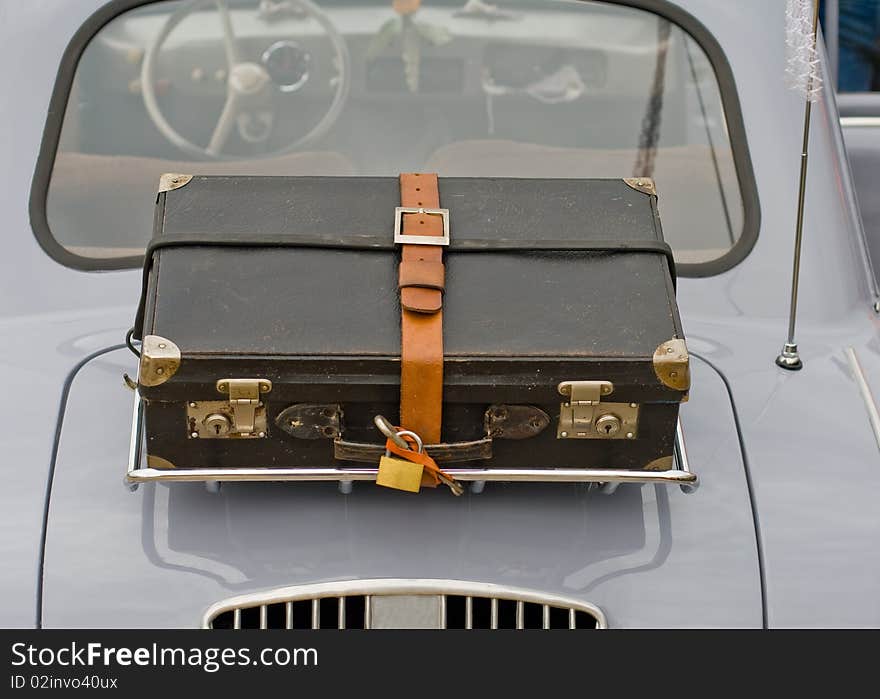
x,y
288,65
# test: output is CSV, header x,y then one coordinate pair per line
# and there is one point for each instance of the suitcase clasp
x,y
244,401
585,416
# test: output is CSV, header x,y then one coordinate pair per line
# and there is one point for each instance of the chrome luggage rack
x,y
611,478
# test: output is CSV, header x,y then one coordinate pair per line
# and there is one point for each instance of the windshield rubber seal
x,y
662,8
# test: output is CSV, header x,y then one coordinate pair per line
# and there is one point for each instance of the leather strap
x,y
384,243
421,282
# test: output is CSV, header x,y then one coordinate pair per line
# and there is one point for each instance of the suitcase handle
x,y
324,421
453,452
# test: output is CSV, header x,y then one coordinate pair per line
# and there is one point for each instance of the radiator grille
x,y
459,606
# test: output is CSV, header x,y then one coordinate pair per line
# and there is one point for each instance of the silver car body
x,y
783,531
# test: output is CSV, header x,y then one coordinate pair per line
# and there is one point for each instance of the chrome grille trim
x,y
501,606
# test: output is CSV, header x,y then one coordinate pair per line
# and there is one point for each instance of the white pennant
x,y
802,58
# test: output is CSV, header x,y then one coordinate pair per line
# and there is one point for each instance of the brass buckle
x,y
401,238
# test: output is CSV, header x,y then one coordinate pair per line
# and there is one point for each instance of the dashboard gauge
x,y
288,65
516,66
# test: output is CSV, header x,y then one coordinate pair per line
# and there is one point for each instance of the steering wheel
x,y
249,86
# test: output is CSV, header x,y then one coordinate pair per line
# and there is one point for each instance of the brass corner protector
x,y
672,365
159,463
172,180
664,463
645,185
160,360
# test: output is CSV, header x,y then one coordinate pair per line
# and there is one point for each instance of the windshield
x,y
557,88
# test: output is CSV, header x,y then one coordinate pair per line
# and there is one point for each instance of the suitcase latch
x,y
241,416
244,402
585,416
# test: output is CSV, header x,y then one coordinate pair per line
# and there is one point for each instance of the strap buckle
x,y
402,238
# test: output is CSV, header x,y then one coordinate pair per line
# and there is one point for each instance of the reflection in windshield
x,y
556,88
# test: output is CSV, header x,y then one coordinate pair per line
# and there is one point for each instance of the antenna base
x,y
789,358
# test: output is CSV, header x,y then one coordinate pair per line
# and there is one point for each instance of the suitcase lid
x,y
524,306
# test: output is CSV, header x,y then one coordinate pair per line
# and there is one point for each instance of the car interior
x,y
290,87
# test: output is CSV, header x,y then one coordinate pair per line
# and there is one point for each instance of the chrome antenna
x,y
790,358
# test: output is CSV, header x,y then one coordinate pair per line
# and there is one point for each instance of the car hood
x,y
160,556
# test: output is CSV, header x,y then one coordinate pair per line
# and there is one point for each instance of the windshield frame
x,y
675,14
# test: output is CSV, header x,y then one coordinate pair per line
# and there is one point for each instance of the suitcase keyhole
x,y
608,425
218,423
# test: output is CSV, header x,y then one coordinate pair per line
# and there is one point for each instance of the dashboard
x,y
490,73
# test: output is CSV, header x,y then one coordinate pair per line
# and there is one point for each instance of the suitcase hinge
x,y
585,416
244,402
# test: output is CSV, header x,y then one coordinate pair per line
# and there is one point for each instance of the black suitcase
x,y
271,324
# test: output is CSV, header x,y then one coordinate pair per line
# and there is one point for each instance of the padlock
x,y
394,474
399,473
